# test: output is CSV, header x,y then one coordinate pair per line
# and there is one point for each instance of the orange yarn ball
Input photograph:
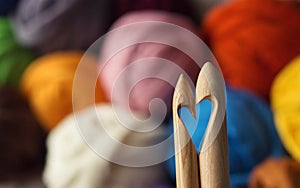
x,y
253,39
48,84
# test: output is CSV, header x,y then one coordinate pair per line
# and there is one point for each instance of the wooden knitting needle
x,y
186,157
213,165
213,157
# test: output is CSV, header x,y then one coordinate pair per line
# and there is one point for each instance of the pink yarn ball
x,y
132,77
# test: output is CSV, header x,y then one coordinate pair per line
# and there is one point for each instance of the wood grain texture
x,y
213,157
186,157
211,167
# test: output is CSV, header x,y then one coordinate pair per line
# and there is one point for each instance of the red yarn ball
x,y
253,40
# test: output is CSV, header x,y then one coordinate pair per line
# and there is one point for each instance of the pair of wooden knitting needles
x,y
210,168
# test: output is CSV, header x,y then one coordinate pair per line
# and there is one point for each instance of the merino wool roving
x,y
285,102
13,58
135,75
22,140
72,162
48,84
252,136
253,40
61,24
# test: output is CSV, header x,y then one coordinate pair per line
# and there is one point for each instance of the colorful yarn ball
x,y
7,6
272,172
13,58
71,162
251,132
130,77
253,40
22,140
61,24
48,84
285,104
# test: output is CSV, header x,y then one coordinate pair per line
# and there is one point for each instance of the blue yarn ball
x,y
251,133
7,6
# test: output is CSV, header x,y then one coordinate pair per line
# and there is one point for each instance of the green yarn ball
x,y
13,58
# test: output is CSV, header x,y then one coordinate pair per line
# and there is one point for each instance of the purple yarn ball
x,y
61,24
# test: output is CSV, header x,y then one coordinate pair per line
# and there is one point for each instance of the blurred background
x,y
256,44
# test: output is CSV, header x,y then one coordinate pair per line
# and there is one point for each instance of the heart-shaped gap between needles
x,y
196,127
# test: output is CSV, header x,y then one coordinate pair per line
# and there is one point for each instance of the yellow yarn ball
x,y
48,84
285,101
